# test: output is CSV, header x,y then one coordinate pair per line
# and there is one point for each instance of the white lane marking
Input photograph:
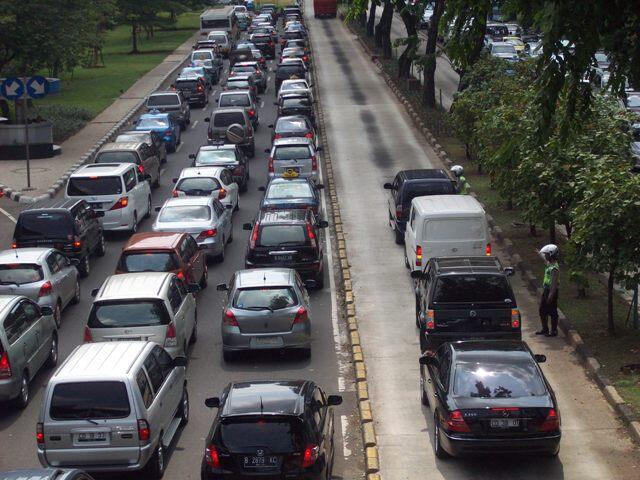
x,y
193,125
268,78
262,104
8,215
341,385
179,147
162,170
344,423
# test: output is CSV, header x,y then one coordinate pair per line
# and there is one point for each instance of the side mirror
x,y
322,224
509,271
74,261
247,226
319,186
158,209
387,186
262,189
266,150
174,179
428,360
94,292
334,400
192,156
416,274
46,311
310,284
213,402
180,362
193,288
540,358
222,287
207,119
319,148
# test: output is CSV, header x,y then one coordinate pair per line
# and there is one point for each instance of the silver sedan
x,y
204,218
44,275
266,308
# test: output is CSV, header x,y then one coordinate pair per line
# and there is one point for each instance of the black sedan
x,y
285,193
489,397
294,126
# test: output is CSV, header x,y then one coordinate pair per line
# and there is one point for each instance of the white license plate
x,y
268,341
126,339
257,462
505,422
92,437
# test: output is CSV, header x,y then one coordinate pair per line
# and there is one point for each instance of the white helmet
x,y
551,250
457,170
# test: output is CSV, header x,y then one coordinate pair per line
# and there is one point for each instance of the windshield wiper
x,y
259,307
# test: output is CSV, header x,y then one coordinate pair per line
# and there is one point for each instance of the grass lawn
x,y
96,88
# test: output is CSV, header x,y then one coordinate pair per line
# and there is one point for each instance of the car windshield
x,y
289,190
212,157
134,137
20,273
149,262
279,235
472,289
46,224
162,100
288,125
235,100
497,380
198,71
633,101
83,400
246,69
185,213
84,186
454,229
116,157
504,49
259,39
256,54
151,123
128,313
292,152
272,298
199,185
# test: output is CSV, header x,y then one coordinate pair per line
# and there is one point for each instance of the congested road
x,y
207,373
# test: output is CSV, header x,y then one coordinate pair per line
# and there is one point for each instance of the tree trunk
x,y
371,22
410,24
532,230
552,233
429,88
385,30
569,229
134,37
610,325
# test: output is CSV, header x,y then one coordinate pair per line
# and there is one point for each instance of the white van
x,y
445,226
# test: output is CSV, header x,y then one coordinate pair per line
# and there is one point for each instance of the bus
x,y
220,19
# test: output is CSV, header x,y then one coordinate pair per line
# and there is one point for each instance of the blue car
x,y
164,124
292,193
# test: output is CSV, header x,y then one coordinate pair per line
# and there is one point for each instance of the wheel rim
x,y
54,350
436,434
57,316
185,405
24,390
149,206
86,265
77,295
102,244
160,458
135,223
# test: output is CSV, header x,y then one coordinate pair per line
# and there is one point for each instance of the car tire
x,y
237,207
245,185
406,261
423,394
417,314
184,407
156,466
252,151
228,356
194,334
57,314
437,446
220,256
399,236
134,226
52,359
204,280
424,346
305,353
101,248
148,214
84,268
22,400
76,296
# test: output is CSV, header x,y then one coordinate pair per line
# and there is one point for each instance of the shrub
x,y
66,119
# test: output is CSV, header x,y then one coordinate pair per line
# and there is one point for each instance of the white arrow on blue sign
x,y
12,88
37,87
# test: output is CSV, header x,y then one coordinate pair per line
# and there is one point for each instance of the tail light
x,y
487,249
200,88
212,457
308,135
277,136
505,409
14,245
222,194
258,71
311,234
121,203
271,44
252,113
237,170
87,338
418,256
399,211
305,58
455,423
301,316
270,164
168,132
144,432
180,275
174,193
230,319
515,318
212,232
314,163
310,455
5,366
45,289
552,422
141,168
254,236
170,339
40,433
430,320
77,243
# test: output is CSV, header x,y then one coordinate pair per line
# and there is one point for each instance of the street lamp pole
x,y
26,133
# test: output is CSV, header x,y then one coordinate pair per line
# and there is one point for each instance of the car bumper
x,y
211,246
305,270
313,176
97,459
197,99
234,340
9,388
434,340
459,447
115,220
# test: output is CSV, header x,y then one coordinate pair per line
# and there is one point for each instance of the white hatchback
x,y
214,182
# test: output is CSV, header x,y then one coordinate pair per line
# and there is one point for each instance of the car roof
x,y
188,201
238,77
155,115
292,118
500,351
63,204
234,92
446,204
225,146
279,142
420,173
277,180
465,265
246,64
112,359
164,92
133,285
502,44
24,255
228,110
259,277
192,172
266,397
6,301
153,241
102,169
116,146
293,215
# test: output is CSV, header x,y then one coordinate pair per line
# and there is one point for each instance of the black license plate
x,y
260,462
96,205
283,258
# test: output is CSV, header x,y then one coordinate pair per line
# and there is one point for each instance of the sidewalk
x,y
48,174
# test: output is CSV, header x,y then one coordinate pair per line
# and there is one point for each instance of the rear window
x,y
211,157
134,137
289,190
455,229
198,185
20,274
162,100
472,289
238,84
187,84
292,34
130,313
149,262
497,380
295,102
83,186
44,224
272,298
261,39
277,235
291,126
82,400
116,157
185,213
276,435
293,152
151,123
287,70
224,119
413,190
218,38
235,100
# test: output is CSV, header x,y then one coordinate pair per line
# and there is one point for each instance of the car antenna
x,y
261,406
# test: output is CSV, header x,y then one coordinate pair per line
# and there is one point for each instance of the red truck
x,y
325,8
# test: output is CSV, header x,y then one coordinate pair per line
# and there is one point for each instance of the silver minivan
x,y
28,341
154,306
113,406
292,158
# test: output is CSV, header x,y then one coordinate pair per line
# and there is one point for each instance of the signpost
x,y
15,89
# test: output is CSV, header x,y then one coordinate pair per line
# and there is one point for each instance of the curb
x,y
371,457
572,337
18,196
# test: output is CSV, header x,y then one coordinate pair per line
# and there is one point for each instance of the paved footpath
x,y
45,172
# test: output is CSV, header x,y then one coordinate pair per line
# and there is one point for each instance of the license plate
x,y
291,173
260,462
268,341
92,437
95,205
505,422
283,258
126,339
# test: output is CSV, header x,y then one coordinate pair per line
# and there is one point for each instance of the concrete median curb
x,y
571,336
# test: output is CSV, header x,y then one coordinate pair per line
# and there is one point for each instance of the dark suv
x,y
265,44
71,226
290,239
465,298
271,429
286,71
193,89
409,184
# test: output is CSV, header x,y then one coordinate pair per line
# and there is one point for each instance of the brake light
x,y
169,132
305,58
455,423
311,234
180,275
230,319
121,203
174,193
5,366
301,316
418,256
505,409
222,194
431,320
277,136
144,432
552,422
270,164
200,88
212,232
252,113
45,289
40,433
141,168
308,135
515,318
14,245
237,170
314,163
310,455
254,236
76,242
87,338
212,457
487,249
170,339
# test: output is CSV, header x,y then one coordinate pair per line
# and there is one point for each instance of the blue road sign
x,y
12,88
37,87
